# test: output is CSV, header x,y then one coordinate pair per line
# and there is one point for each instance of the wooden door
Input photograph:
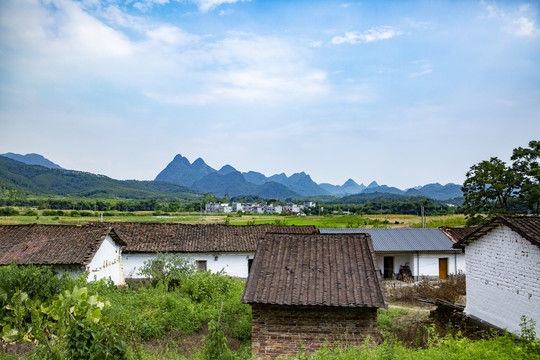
x,y
388,267
443,268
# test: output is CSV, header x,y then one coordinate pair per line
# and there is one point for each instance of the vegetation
x,y
494,188
69,318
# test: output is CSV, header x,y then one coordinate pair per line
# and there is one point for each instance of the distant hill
x,y
300,183
40,180
180,171
204,178
235,184
350,187
440,192
32,159
434,191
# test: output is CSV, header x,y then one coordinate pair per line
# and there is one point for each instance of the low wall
x,y
285,330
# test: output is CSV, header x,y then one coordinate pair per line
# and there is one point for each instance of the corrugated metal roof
x,y
402,239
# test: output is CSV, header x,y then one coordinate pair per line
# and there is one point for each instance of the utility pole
x,y
423,221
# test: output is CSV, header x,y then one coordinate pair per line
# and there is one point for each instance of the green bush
x,y
8,211
170,268
39,282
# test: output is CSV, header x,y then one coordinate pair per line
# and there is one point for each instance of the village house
x,y
213,247
503,272
309,290
257,208
426,253
67,248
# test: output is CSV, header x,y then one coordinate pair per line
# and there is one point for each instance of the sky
x,y
401,92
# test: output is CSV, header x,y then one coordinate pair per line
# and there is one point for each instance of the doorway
x,y
388,271
443,268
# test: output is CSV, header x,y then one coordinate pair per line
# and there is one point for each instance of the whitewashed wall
x,y
107,263
233,264
427,263
73,270
503,279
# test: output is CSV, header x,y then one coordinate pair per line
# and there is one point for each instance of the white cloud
x,y
371,35
208,5
516,21
422,68
522,27
161,62
146,5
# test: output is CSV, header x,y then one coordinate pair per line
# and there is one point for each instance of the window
x,y
250,262
201,265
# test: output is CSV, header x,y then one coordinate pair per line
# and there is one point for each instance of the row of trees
x,y
495,188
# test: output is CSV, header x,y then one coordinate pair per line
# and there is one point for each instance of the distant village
x,y
293,209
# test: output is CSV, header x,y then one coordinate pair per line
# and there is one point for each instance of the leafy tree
x,y
488,189
526,165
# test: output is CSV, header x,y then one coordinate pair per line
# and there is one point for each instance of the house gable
x,y
503,274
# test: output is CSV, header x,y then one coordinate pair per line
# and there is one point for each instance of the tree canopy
x,y
495,188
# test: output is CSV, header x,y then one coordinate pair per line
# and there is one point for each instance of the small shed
x,y
306,290
67,248
427,253
503,272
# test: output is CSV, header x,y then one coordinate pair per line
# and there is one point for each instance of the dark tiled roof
x,y
168,237
526,226
401,239
457,233
329,270
51,244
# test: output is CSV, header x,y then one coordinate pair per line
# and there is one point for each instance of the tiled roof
x,y
329,270
168,237
51,244
457,233
526,226
401,239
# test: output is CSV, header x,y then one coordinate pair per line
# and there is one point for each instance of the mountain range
x,y
181,179
42,180
227,180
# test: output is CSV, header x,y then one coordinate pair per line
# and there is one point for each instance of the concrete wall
x,y
503,279
234,264
107,263
284,330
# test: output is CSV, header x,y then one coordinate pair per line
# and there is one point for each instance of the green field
x,y
328,221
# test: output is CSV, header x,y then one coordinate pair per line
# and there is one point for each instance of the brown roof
x,y
526,226
330,270
457,233
51,244
169,237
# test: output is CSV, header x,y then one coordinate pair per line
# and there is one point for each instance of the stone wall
x,y
284,330
503,279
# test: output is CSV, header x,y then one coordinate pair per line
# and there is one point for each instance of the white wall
x,y
503,279
73,270
234,264
107,263
428,263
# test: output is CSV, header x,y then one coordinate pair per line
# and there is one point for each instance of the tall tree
x,y
526,165
489,188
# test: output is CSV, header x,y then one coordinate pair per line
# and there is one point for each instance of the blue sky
x,y
401,92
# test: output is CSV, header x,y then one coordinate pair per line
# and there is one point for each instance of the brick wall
x,y
503,279
284,330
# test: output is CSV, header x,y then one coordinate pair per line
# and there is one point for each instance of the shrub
x,y
171,268
8,211
39,282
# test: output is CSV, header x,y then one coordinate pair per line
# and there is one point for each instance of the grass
x,y
328,221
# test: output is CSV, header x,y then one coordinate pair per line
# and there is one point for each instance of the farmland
x,y
329,221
